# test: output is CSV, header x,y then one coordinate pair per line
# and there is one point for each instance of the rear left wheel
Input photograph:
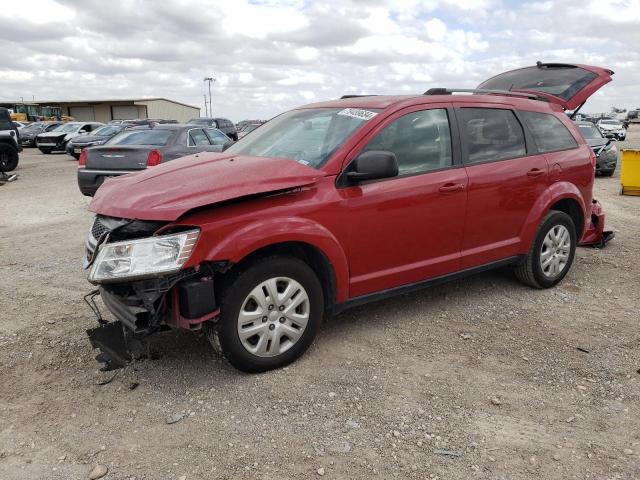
x,y
270,313
552,252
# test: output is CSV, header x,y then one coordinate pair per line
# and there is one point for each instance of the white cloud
x,y
436,29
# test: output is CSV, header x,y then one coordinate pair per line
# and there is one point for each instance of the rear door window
x,y
549,133
420,140
198,138
491,134
216,136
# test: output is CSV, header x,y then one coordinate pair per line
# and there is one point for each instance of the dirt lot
x,y
480,378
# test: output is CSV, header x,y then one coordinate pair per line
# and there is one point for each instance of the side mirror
x,y
372,165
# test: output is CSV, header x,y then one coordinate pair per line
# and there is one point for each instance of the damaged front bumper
x,y
181,300
595,234
141,310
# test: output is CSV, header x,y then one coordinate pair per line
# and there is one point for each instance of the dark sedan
x,y
225,125
139,148
604,148
28,134
97,137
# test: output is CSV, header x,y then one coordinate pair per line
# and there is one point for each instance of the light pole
x,y
210,79
206,108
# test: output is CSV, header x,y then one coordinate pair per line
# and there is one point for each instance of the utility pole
x,y
206,110
210,79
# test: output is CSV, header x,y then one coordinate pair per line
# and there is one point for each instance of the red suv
x,y
343,202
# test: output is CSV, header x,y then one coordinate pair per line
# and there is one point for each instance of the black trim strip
x,y
412,287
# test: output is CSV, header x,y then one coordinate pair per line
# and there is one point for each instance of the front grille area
x,y
98,229
119,229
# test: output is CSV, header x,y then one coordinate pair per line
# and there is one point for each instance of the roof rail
x,y
449,91
356,96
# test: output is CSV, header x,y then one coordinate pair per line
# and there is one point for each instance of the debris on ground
x,y
175,418
448,453
98,471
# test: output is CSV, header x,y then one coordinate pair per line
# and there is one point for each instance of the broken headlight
x,y
143,257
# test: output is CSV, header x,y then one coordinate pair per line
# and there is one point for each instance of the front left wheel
x,y
270,313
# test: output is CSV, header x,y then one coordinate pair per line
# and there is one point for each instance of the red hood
x,y
170,190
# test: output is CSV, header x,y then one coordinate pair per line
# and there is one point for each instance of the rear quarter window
x,y
549,133
143,137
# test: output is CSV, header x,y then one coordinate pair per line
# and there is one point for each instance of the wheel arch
x,y
571,207
562,196
298,237
308,253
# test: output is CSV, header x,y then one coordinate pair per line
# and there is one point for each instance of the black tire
x,y
8,158
224,336
530,271
607,173
46,151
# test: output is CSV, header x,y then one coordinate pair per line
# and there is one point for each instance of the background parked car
x,y
247,129
612,128
9,142
28,134
225,125
147,121
97,137
604,148
56,139
139,148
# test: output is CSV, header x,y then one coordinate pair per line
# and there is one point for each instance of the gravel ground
x,y
479,378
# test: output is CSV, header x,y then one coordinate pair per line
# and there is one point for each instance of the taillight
x,y
82,161
154,158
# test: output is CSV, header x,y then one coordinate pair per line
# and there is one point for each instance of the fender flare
x,y
249,238
553,194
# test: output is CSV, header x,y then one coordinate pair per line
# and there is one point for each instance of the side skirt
x,y
413,287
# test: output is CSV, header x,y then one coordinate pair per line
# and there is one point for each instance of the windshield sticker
x,y
357,113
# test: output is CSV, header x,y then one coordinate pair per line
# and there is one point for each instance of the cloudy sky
x,y
271,55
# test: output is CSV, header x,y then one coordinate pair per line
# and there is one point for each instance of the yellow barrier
x,y
630,172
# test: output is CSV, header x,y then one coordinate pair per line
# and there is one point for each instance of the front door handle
x,y
535,172
451,188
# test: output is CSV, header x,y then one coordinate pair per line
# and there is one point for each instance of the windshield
x,y
66,127
106,131
589,131
142,137
610,122
307,136
34,127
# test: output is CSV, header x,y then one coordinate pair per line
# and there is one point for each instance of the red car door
x,y
407,228
504,182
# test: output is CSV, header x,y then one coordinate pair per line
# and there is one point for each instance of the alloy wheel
x,y
273,316
555,251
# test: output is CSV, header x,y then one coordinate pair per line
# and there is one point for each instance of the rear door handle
x,y
535,172
451,188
